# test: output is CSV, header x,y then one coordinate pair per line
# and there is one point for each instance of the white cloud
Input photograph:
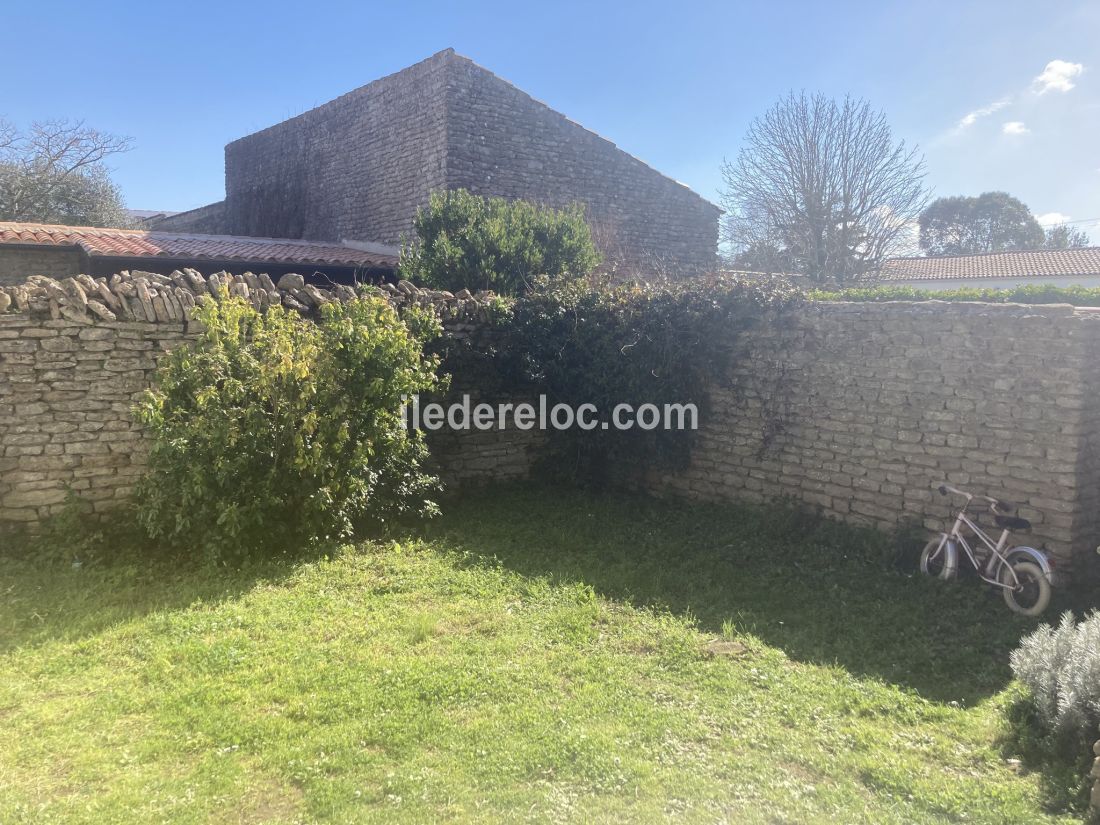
x,y
1052,219
972,117
1057,77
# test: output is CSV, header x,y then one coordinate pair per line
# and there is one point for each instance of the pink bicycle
x,y
1022,573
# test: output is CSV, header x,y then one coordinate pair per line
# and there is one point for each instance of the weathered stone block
x,y
34,498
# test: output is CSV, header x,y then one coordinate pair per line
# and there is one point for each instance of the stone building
x,y
358,166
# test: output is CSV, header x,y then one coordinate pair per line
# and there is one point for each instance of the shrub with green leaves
x,y
1061,668
464,241
272,430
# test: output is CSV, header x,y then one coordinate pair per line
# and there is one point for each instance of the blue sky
x,y
674,83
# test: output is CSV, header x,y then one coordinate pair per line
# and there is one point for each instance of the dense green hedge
x,y
581,341
1032,294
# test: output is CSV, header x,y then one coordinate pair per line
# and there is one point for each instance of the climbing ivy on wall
x,y
588,342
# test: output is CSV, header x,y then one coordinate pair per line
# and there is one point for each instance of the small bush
x,y
469,242
273,430
1061,668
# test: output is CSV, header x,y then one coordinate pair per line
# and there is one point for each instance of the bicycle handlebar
x,y
998,504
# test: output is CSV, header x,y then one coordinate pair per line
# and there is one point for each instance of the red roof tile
x,y
1039,263
141,243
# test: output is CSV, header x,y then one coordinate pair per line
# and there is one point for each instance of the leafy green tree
x,y
272,430
1063,236
991,222
464,241
54,173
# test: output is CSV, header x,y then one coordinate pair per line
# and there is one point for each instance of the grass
x,y
530,656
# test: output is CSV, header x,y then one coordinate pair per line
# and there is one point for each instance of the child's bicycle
x,y
1022,573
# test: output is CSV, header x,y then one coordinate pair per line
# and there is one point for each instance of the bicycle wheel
x,y
1031,595
941,564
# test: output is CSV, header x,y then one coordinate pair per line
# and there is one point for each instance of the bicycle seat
x,y
1011,522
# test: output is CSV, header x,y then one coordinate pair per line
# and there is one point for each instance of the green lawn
x,y
533,655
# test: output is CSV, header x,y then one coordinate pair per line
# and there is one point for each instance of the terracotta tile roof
x,y
141,243
1039,263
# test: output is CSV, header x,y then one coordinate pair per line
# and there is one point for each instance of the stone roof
x,y
144,243
1038,263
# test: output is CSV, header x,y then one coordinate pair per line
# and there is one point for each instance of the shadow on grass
x,y
818,590
1062,763
823,592
47,600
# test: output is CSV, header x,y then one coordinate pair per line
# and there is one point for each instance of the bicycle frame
x,y
997,559
1022,574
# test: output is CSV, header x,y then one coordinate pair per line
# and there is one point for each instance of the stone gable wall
x,y
501,141
359,166
354,168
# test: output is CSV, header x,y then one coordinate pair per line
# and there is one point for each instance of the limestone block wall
x,y
861,409
76,354
65,396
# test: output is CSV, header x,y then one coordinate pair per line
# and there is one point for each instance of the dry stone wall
x,y
862,409
859,410
75,355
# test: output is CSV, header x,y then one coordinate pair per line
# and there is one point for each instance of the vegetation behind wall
x,y
1030,294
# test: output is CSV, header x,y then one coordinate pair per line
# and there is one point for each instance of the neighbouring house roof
x,y
142,214
1038,263
143,243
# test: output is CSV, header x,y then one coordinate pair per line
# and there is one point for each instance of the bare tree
x,y
1064,236
821,188
54,173
8,135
